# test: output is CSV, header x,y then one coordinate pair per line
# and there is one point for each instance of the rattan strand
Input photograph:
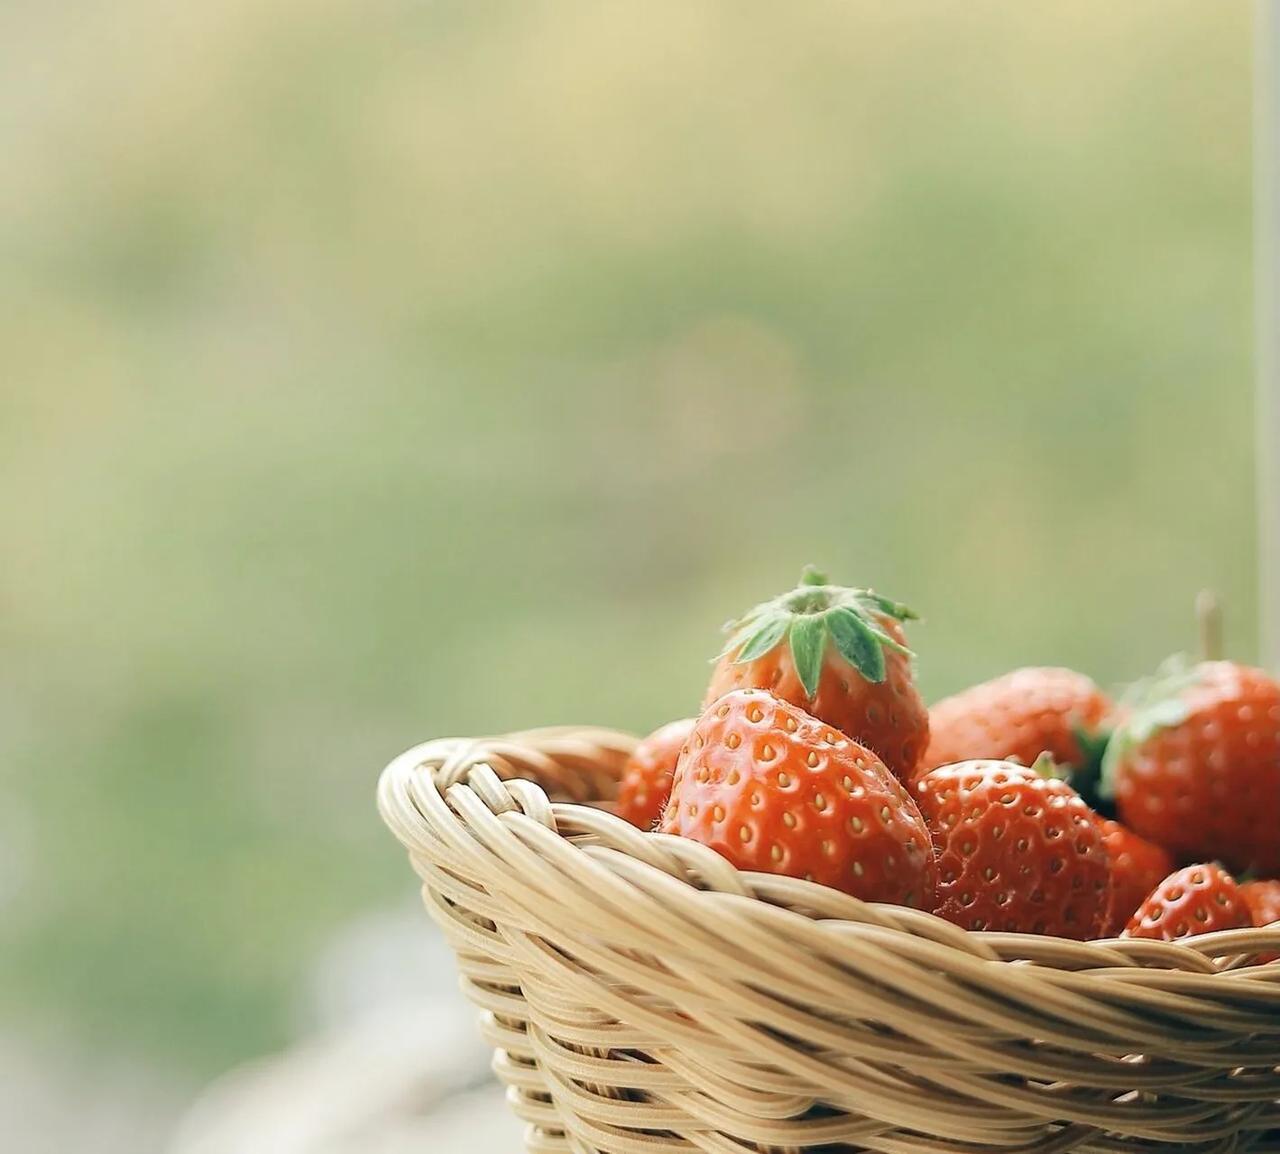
x,y
644,997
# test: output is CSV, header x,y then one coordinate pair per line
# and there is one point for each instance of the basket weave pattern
x,y
643,996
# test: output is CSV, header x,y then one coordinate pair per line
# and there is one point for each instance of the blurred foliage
x,y
373,372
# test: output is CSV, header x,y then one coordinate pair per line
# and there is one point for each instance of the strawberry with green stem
x,y
1019,716
773,789
839,654
1195,764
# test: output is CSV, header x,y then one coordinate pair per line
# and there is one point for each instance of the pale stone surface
x,y
392,1061
56,1101
397,1076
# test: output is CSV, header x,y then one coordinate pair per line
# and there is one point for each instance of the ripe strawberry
x,y
1263,900
1196,899
844,661
773,789
1016,850
1195,766
1136,868
646,778
1016,718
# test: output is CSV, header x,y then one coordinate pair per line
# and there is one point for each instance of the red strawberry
x,y
1195,766
773,789
1263,899
646,779
1136,868
1017,717
1016,851
838,653
1196,899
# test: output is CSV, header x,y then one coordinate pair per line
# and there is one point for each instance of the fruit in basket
x,y
1263,899
1018,849
1137,866
1017,717
1195,765
1196,899
646,778
774,789
840,655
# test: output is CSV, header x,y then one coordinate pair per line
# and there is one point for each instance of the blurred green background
x,y
379,371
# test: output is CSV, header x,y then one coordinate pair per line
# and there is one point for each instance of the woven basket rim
x,y
636,985
711,879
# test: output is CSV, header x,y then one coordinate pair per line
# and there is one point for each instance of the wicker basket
x,y
643,996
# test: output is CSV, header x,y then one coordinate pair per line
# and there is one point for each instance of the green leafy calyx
x,y
1045,766
1150,705
1086,774
814,615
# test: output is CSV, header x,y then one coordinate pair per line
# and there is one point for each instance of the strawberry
x,y
1263,899
1196,899
773,789
646,778
1016,718
1016,850
840,655
1137,866
1195,766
